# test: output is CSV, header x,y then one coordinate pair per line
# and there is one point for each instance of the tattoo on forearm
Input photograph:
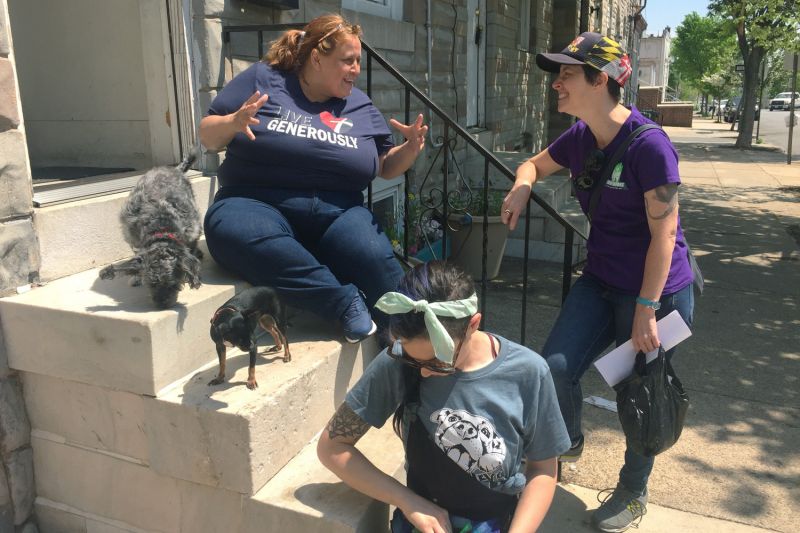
x,y
345,423
666,194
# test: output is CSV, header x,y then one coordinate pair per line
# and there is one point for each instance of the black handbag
x,y
651,405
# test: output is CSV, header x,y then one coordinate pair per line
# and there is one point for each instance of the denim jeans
x,y
316,248
591,318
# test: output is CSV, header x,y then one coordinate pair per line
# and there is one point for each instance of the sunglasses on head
x,y
434,365
593,163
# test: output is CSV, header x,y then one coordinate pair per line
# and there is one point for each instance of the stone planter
x,y
468,244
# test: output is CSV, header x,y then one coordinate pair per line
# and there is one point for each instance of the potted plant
x,y
466,225
425,231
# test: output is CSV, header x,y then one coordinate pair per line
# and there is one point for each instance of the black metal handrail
x,y
448,124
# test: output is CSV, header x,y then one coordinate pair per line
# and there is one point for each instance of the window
x,y
392,9
525,24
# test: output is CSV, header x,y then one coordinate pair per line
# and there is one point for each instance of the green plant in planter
x,y
424,232
474,206
467,233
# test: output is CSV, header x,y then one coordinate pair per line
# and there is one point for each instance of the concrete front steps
x,y
546,235
82,234
304,497
128,436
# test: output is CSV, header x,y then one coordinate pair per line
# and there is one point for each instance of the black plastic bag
x,y
651,405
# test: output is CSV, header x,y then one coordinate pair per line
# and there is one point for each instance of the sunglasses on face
x,y
593,163
434,365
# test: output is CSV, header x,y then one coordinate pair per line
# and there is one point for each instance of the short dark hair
x,y
613,87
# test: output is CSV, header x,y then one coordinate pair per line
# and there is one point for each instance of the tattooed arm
x,y
661,205
336,450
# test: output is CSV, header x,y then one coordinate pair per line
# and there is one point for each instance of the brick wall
x,y
648,98
678,114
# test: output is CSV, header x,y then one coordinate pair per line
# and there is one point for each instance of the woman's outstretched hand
x,y
415,133
244,117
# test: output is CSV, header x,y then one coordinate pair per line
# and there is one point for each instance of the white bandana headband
x,y
393,303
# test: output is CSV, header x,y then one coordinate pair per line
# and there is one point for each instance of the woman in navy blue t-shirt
x,y
301,145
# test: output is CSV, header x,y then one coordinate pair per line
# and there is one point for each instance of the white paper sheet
x,y
617,364
602,403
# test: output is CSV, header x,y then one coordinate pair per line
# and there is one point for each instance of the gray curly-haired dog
x,y
161,223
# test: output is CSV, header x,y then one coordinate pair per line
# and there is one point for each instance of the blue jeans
x,y
591,318
316,248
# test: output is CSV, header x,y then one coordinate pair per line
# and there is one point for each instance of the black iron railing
x,y
437,200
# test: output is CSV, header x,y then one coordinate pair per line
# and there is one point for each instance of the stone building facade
x,y
654,60
19,266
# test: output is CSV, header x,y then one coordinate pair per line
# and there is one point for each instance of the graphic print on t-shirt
x,y
299,125
472,442
339,125
615,182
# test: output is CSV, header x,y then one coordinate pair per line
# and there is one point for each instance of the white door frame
x,y
476,63
168,79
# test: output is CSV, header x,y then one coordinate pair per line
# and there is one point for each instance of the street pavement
x,y
774,130
737,464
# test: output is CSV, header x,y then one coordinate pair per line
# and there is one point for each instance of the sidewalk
x,y
738,461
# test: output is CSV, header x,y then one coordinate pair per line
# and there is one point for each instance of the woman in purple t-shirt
x,y
637,267
302,143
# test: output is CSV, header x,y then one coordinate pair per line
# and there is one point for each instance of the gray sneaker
x,y
619,509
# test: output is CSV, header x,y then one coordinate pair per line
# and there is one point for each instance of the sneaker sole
x,y
612,530
372,330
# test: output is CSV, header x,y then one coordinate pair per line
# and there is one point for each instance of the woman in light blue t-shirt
x,y
477,413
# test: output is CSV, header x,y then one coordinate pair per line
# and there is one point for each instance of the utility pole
x,y
791,110
760,96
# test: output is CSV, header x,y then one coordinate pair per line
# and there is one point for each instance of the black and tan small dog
x,y
235,324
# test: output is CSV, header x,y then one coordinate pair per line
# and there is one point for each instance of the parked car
x,y
731,110
719,110
784,100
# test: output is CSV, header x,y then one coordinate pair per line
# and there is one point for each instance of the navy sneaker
x,y
357,324
619,509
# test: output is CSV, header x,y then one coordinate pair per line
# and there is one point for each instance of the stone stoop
x,y
83,234
107,333
126,433
305,497
190,458
546,238
230,437
101,493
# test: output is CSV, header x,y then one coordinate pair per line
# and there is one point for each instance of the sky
x,y
662,13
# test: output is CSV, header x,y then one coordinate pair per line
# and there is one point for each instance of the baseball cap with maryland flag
x,y
595,50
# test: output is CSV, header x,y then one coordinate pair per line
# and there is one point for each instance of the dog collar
x,y
220,310
162,234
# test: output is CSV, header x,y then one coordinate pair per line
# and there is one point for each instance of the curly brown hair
x,y
292,49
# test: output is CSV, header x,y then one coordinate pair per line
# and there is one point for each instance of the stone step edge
x,y
213,362
368,446
63,507
60,439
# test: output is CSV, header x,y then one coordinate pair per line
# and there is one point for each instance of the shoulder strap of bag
x,y
608,168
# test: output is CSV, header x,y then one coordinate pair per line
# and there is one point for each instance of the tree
x,y
778,79
718,85
761,26
701,48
